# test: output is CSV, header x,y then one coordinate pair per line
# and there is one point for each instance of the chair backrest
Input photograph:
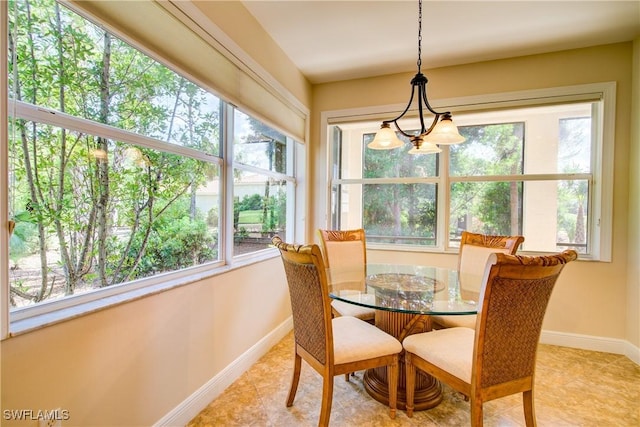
x,y
345,254
310,302
475,249
513,303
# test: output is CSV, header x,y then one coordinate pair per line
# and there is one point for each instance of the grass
x,y
251,217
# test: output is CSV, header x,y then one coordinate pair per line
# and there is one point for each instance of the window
x,y
538,168
123,172
262,185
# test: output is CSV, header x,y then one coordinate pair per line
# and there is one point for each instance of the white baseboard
x,y
192,405
588,342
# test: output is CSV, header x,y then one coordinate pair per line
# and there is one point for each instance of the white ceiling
x,y
338,40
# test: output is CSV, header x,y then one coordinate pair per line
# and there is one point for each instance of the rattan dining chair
x,y
498,358
331,346
474,251
345,255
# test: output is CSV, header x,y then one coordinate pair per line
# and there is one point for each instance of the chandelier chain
x,y
419,35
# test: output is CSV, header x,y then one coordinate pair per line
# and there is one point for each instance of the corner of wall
x,y
633,269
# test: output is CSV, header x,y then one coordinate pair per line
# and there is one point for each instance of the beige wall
x,y
591,297
131,364
633,287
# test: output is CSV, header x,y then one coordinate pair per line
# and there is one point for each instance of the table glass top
x,y
404,288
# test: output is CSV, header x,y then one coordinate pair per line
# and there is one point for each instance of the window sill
x,y
81,305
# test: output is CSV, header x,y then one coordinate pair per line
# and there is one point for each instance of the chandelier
x,y
442,130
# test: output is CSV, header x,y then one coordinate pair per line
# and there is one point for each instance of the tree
x,y
489,207
399,210
83,189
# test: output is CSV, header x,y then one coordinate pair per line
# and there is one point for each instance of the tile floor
x,y
573,388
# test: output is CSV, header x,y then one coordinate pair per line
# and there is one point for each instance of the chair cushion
x,y
346,309
449,349
465,321
346,261
355,339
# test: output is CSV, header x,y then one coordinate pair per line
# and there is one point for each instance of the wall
x,y
131,364
589,304
633,296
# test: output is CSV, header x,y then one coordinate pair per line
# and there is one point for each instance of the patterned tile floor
x,y
573,388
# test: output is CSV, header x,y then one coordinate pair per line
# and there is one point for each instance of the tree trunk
x,y
103,167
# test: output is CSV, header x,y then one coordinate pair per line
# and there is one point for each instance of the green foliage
x,y
177,244
487,207
87,195
176,241
21,241
252,202
495,211
213,217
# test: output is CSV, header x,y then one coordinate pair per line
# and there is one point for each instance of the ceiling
x,y
338,40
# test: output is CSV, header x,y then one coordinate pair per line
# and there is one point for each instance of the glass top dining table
x,y
404,298
411,289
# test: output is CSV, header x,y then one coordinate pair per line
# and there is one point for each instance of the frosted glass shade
x,y
444,133
385,139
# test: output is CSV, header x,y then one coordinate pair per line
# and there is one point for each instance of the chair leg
x,y
476,412
392,379
327,400
410,382
297,364
529,410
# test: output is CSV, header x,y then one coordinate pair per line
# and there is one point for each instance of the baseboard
x,y
588,342
190,407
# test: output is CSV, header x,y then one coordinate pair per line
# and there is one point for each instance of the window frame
x,y
601,196
23,319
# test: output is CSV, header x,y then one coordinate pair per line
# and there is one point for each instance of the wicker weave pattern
x,y
515,301
506,242
512,329
502,355
342,235
306,304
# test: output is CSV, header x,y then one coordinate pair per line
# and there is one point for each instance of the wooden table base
x,y
428,392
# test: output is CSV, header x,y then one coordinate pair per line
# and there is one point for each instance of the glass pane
x,y
67,72
552,215
92,212
573,218
259,211
494,149
574,145
400,213
485,207
397,163
256,144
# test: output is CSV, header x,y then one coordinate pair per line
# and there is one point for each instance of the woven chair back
x,y
310,304
513,303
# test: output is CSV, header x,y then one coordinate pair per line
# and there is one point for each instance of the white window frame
x,y
25,319
601,197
